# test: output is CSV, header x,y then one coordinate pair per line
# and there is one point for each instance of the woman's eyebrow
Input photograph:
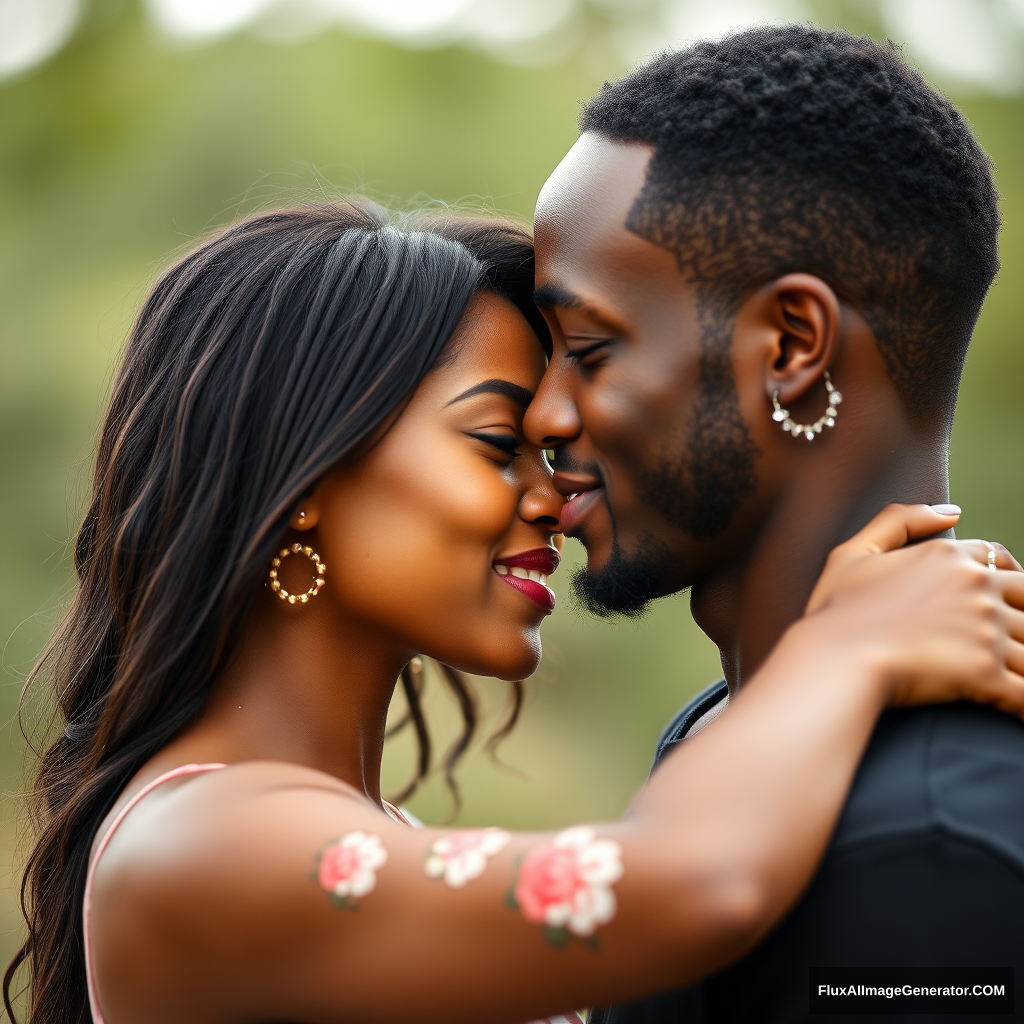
x,y
516,392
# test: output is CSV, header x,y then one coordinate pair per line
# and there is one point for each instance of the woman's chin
x,y
518,668
514,658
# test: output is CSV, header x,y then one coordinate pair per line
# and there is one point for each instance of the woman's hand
x,y
943,616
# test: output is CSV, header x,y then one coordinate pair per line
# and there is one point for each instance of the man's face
x,y
639,398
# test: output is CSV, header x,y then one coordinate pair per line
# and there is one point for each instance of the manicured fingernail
x,y
946,510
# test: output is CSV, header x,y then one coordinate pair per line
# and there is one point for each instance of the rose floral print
x,y
565,884
348,868
461,857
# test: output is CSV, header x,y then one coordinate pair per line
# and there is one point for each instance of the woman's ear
x,y
306,516
803,315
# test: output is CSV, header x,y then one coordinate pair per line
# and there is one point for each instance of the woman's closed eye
x,y
507,444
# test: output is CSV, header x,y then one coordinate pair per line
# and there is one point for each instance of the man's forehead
x,y
592,189
586,256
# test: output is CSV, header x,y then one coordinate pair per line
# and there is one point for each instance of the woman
x,y
311,473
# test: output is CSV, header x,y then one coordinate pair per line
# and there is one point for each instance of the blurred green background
x,y
135,135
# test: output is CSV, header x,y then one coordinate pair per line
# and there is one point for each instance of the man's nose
x,y
552,418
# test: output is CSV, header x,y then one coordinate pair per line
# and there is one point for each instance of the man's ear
x,y
802,314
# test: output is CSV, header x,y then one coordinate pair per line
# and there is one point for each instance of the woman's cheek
x,y
470,503
481,506
425,536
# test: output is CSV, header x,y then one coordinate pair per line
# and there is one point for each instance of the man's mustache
x,y
563,461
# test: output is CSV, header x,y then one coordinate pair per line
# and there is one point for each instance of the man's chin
x,y
625,584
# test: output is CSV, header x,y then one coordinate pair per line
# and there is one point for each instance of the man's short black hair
x,y
790,148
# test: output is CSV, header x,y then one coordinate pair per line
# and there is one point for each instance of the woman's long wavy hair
x,y
259,362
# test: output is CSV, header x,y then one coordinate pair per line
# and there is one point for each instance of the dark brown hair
x,y
258,363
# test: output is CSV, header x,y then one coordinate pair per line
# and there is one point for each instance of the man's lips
x,y
580,489
528,573
576,508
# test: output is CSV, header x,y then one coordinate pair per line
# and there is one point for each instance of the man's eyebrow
x,y
550,296
520,395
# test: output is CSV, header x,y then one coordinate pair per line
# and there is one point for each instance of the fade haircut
x,y
782,149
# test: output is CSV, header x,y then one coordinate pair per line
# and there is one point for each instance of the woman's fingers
x,y
1008,693
1012,586
1004,557
1015,658
897,525
1015,623
894,527
987,552
952,629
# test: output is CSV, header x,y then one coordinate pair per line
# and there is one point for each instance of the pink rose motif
x,y
461,857
348,868
567,883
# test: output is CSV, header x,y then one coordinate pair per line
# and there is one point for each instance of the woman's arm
x,y
268,892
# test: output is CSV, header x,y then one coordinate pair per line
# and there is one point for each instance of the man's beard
x,y
625,585
700,488
697,489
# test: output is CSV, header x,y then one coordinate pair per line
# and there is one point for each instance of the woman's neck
x,y
302,688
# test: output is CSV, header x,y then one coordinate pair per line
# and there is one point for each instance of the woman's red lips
x,y
528,571
576,508
544,560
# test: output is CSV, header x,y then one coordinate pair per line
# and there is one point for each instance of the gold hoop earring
x,y
275,583
809,430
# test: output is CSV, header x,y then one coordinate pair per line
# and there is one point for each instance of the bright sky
x,y
967,44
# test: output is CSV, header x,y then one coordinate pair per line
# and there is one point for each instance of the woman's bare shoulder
x,y
251,827
189,817
210,866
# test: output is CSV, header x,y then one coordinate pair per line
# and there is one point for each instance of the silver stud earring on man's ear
x,y
809,430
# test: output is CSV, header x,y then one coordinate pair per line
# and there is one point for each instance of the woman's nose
x,y
541,503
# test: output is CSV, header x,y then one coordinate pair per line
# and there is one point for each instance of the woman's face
x,y
441,538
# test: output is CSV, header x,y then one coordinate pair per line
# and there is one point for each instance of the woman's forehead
x,y
494,341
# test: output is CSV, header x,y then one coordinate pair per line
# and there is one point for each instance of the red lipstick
x,y
528,571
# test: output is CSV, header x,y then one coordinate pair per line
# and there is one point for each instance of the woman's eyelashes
x,y
507,444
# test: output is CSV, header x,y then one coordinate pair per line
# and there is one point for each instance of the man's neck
x,y
747,606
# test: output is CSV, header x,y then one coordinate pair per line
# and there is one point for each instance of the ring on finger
x,y
991,556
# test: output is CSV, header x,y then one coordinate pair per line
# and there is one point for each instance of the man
x,y
762,263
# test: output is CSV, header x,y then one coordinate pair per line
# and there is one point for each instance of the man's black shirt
x,y
926,869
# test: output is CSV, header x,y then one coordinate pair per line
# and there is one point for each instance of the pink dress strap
x,y
176,773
